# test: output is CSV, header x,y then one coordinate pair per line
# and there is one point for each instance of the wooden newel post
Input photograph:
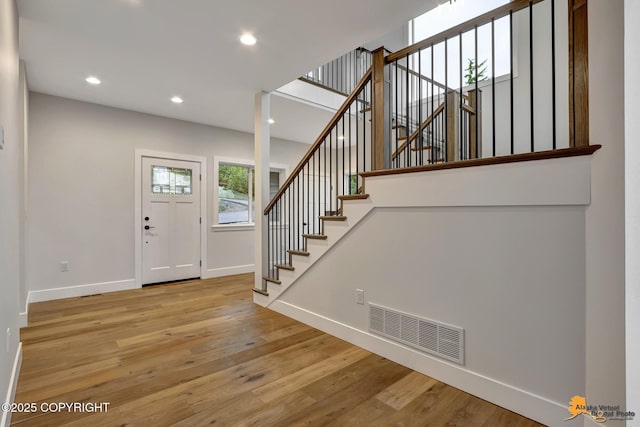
x,y
475,124
453,126
578,74
377,110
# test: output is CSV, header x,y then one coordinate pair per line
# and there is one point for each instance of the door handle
x,y
146,227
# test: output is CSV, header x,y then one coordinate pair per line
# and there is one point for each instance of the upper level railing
x,y
439,101
343,73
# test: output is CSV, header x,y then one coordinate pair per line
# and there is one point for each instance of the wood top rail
x,y
416,132
524,157
497,13
421,76
336,118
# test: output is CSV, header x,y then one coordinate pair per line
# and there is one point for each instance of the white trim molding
x,y
13,384
229,271
23,320
249,163
204,229
82,290
528,404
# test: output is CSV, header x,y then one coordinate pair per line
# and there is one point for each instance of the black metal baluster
x,y
343,155
446,101
420,135
531,73
395,113
461,113
493,85
408,113
349,144
337,166
330,171
511,71
553,70
477,98
433,142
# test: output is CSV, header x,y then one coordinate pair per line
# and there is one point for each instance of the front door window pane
x,y
167,180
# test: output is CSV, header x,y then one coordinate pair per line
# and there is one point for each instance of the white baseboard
x,y
13,384
23,319
229,271
81,290
520,401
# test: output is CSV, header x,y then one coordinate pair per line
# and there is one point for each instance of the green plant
x,y
472,71
234,178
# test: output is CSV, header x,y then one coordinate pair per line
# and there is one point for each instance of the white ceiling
x,y
146,51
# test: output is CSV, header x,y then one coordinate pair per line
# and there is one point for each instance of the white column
x,y
632,205
261,149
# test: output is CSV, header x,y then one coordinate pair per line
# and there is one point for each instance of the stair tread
x,y
294,252
315,236
365,110
426,147
333,218
272,280
354,197
285,266
261,292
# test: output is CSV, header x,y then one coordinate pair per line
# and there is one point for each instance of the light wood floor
x,y
201,353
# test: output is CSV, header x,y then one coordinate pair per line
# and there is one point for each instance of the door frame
x,y
139,154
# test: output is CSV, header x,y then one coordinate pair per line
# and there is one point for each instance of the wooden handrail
x,y
497,13
416,132
499,160
415,73
334,120
318,84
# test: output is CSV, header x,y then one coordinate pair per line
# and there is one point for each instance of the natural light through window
x,y
165,180
450,14
236,193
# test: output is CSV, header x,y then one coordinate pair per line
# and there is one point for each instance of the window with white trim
x,y
236,193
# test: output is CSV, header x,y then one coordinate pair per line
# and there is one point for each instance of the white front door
x,y
170,220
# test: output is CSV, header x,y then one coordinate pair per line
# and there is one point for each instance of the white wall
x,y
11,219
498,251
24,161
81,188
605,233
632,204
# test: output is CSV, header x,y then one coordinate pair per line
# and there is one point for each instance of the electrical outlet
x,y
8,339
359,296
64,266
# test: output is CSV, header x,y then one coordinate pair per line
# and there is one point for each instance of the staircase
x,y
399,117
353,208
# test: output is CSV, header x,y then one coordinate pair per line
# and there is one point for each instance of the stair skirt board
x,y
515,399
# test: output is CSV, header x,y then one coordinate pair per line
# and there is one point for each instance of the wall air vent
x,y
432,337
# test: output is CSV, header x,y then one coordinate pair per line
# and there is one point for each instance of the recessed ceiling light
x,y
271,121
177,100
248,39
93,80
